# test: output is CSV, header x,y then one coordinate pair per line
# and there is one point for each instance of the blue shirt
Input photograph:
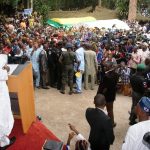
x,y
80,57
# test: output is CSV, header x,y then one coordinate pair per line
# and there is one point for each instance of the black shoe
x,y
58,88
45,87
129,112
54,86
71,92
38,87
114,125
12,141
62,92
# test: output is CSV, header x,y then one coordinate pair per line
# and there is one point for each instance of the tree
x,y
13,3
100,3
132,10
122,7
42,7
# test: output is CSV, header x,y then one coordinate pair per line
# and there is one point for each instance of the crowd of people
x,y
25,39
69,57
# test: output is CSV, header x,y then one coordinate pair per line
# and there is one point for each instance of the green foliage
x,y
111,4
13,3
122,7
42,7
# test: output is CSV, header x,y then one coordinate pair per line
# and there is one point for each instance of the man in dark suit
x,y
101,134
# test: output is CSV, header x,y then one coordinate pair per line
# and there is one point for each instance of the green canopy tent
x,y
54,24
68,22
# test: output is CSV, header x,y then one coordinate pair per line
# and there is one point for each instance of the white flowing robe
x,y
6,116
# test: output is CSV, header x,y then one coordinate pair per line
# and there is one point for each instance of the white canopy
x,y
107,24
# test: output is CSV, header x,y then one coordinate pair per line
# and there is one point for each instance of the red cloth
x,y
34,139
7,49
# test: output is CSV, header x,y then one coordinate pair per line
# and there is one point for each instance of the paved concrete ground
x,y
58,110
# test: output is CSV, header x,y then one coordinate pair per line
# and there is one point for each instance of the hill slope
x,y
99,14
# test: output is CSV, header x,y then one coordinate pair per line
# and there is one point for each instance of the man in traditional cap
x,y
91,66
35,63
139,86
134,138
145,52
80,69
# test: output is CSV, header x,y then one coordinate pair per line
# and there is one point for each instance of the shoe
x,y
39,118
54,86
77,92
38,87
129,112
58,88
71,92
62,92
12,141
45,87
114,124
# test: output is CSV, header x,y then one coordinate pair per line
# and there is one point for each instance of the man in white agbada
x,y
6,116
135,136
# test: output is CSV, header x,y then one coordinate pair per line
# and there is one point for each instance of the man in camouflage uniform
x,y
67,59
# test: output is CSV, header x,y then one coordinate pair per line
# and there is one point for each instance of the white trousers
x,y
4,141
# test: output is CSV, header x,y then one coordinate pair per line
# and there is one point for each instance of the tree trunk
x,y
99,3
132,10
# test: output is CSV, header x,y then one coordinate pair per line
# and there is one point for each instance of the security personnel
x,y
59,68
139,87
67,59
52,61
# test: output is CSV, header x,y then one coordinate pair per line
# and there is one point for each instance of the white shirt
x,y
80,57
134,137
78,138
144,54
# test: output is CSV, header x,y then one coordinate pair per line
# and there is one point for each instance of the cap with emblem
x,y
144,103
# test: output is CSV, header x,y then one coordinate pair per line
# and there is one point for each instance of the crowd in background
x,y
25,39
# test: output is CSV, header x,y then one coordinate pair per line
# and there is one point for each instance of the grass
x,y
99,14
140,17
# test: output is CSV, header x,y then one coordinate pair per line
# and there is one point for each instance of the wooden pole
x,y
132,10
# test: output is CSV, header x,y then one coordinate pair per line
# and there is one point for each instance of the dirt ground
x,y
58,110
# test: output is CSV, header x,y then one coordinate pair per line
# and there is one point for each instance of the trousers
x,y
4,141
79,83
135,99
100,147
86,80
37,80
109,107
67,77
